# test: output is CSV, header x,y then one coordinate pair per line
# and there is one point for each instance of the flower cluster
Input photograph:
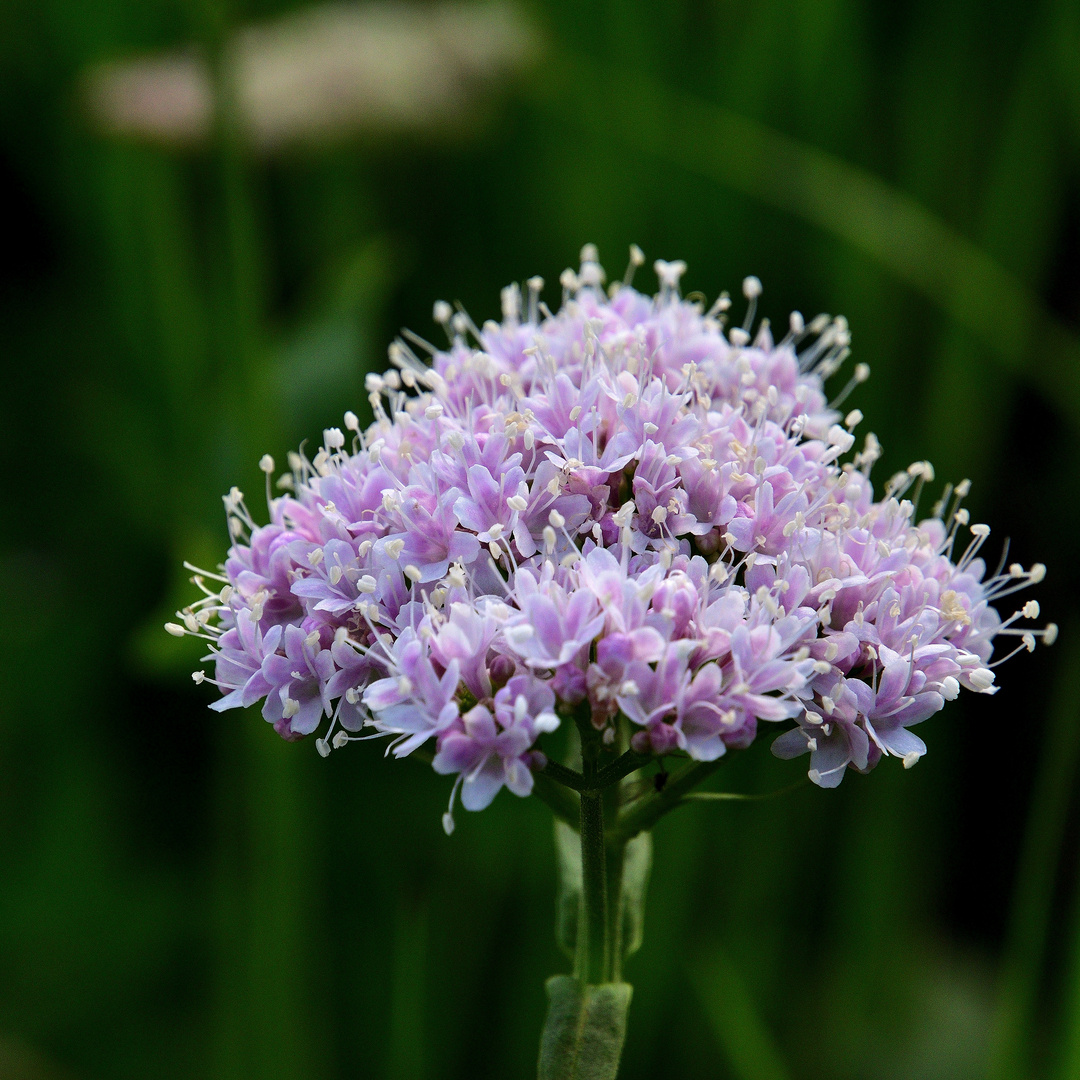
x,y
626,507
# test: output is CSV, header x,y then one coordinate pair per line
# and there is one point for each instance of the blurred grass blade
x,y
843,199
1011,1039
1069,1049
405,1058
736,1022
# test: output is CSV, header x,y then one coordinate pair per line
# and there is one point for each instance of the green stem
x,y
560,774
620,767
644,813
603,778
592,949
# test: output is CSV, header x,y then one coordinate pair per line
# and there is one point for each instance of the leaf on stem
x,y
637,864
584,1031
568,894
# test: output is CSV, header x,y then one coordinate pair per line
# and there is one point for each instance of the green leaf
x,y
637,864
568,895
584,1031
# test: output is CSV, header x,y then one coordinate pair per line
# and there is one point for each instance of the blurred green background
x,y
182,894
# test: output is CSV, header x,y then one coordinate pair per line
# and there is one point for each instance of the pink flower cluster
x,y
625,506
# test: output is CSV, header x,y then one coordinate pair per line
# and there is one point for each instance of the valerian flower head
x,y
628,507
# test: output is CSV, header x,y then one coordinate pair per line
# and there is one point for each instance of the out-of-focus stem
x,y
563,803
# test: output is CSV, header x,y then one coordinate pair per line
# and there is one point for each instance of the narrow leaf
x,y
568,894
637,864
